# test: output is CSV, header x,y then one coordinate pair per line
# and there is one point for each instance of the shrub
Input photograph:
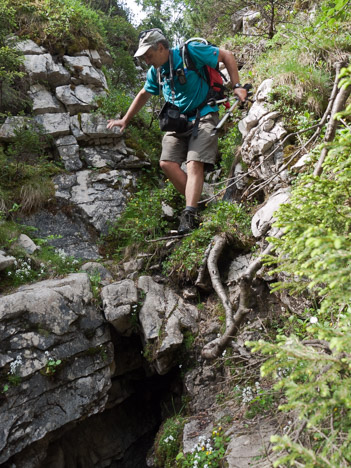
x,y
314,254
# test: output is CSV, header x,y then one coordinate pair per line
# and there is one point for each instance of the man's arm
x,y
139,101
230,63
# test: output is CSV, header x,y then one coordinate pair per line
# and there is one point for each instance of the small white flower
x,y
313,319
224,353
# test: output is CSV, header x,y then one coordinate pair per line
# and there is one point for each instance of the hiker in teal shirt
x,y
192,94
197,149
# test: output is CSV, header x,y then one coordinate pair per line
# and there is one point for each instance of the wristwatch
x,y
237,85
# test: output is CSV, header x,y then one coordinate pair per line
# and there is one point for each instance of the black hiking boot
x,y
188,222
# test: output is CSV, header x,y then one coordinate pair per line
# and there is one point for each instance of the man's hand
x,y
121,123
241,93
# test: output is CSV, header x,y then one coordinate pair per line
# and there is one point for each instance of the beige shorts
x,y
183,147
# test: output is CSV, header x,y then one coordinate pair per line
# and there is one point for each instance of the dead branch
x,y
338,105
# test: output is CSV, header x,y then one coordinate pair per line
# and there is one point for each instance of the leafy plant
x,y
223,216
168,441
207,452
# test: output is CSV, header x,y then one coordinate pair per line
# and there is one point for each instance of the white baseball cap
x,y
147,39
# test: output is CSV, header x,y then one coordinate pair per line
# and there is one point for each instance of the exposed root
x,y
215,347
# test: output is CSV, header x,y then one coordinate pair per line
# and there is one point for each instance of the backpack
x,y
213,77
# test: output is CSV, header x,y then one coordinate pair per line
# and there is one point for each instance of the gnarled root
x,y
215,347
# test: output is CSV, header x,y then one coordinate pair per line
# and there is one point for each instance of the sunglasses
x,y
144,33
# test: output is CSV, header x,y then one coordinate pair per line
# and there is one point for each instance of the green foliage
x,y
227,146
220,217
314,255
168,441
142,219
62,26
207,452
26,173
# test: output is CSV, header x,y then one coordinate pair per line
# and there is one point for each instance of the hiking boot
x,y
188,222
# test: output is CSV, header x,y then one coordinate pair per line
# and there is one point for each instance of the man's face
x,y
155,57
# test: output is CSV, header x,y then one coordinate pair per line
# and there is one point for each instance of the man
x,y
197,149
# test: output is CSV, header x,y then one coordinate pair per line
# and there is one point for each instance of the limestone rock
x,y
250,21
91,126
42,68
95,268
111,156
99,198
29,47
51,320
6,260
264,217
119,303
54,124
238,267
82,68
244,449
163,317
43,101
93,55
26,243
79,98
11,124
68,150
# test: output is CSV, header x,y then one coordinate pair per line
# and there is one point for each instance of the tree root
x,y
215,347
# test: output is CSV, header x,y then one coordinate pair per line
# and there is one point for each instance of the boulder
x,y
93,55
163,317
54,124
6,260
43,101
264,217
42,68
250,21
99,198
29,47
48,332
98,270
11,124
83,70
120,303
24,242
81,98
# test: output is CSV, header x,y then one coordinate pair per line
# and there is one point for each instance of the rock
x,y
237,19
99,198
92,126
114,156
264,90
68,150
264,217
167,211
24,242
244,449
74,238
96,269
250,21
163,317
257,111
133,265
11,125
120,301
54,124
28,47
81,98
82,68
43,101
93,55
56,320
238,267
5,262
42,68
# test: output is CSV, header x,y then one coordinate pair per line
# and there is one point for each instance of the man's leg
x,y
175,174
194,184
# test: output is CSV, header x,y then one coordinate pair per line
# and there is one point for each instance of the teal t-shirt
x,y
192,94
